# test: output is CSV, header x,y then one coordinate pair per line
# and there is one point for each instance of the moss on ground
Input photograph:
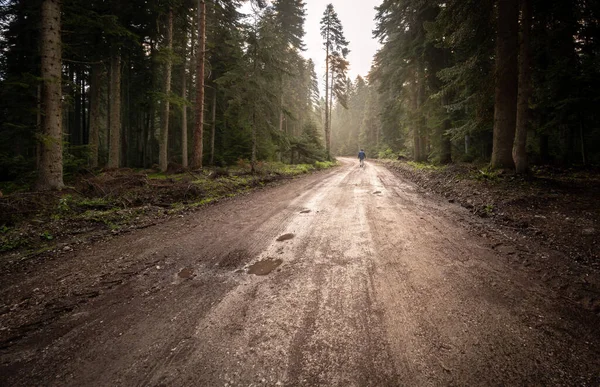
x,y
112,201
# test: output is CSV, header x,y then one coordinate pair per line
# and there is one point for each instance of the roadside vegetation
x,y
95,205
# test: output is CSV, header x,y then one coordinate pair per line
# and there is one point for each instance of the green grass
x,y
325,164
486,174
63,216
426,166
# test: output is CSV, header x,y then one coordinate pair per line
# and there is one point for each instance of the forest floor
x,y
100,205
351,276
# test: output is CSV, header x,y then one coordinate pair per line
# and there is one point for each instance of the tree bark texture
x,y
184,107
96,74
199,124
114,147
50,173
505,107
163,145
421,155
523,114
415,121
327,128
213,128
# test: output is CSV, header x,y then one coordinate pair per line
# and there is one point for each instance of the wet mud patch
x,y
285,237
186,273
265,266
377,193
305,212
234,259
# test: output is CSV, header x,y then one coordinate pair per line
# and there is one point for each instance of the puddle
x,y
264,267
186,273
305,211
376,192
285,237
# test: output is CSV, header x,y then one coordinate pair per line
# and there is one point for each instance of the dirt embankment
x,y
558,210
95,206
558,207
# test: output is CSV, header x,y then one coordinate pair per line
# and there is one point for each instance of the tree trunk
x,y
213,129
444,138
39,132
199,124
163,144
525,91
254,144
582,139
331,100
327,128
114,147
76,138
421,122
184,107
415,121
445,144
50,173
281,110
85,134
505,108
95,123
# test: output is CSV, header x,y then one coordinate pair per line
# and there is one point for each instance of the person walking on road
x,y
362,156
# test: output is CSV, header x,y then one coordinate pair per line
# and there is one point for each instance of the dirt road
x,y
370,283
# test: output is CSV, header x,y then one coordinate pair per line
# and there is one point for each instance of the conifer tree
x,y
334,41
50,173
506,73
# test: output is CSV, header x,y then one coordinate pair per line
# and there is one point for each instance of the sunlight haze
x,y
357,18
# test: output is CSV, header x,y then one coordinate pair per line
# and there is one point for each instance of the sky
x,y
357,18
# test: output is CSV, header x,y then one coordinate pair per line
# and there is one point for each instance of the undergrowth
x,y
112,201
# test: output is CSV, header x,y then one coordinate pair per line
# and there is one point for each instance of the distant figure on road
x,y
362,156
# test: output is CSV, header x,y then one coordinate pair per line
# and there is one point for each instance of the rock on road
x,y
370,283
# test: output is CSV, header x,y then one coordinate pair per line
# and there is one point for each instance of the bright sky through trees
x,y
357,17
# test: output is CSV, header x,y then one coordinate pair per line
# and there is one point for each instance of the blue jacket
x,y
362,155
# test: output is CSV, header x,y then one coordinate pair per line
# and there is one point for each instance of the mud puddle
x,y
285,237
186,273
265,266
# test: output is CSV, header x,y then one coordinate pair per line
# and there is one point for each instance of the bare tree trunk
x,y
213,128
254,145
327,128
525,91
281,110
114,148
38,147
163,144
505,108
415,123
95,114
421,140
331,99
184,107
199,124
50,173
444,137
445,144
85,134
582,139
